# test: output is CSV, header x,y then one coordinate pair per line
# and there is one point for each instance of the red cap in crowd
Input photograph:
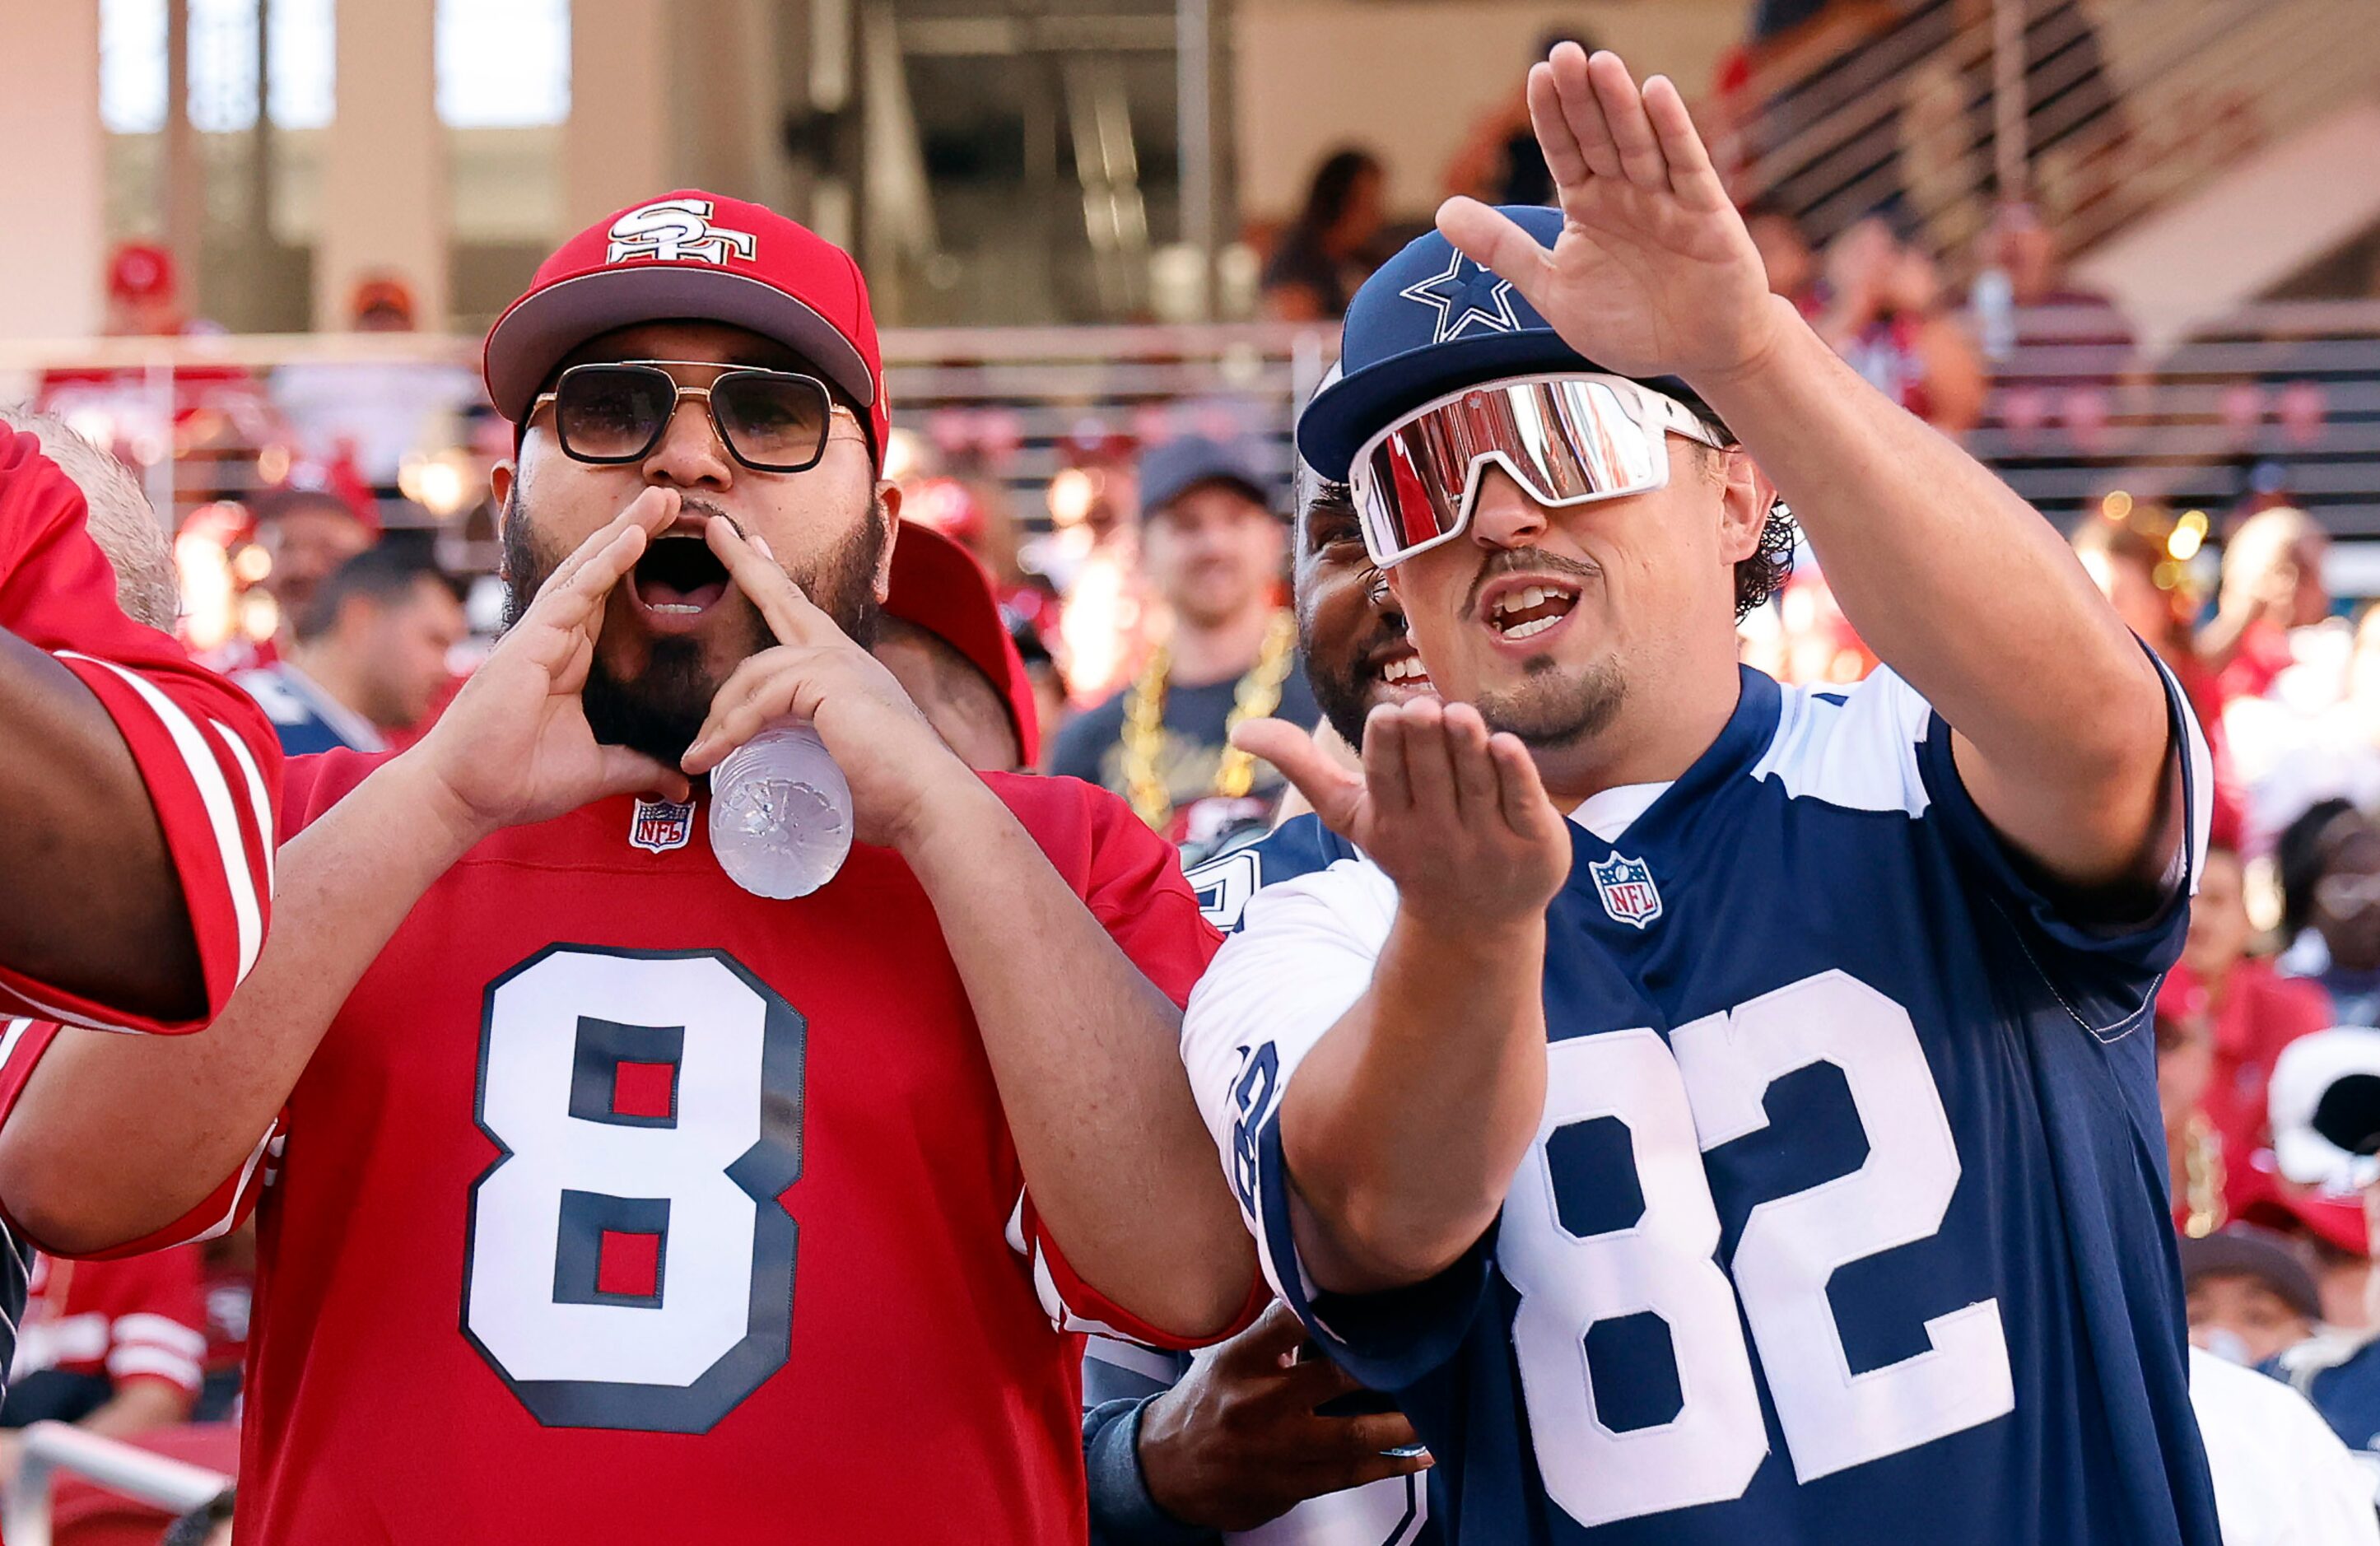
x,y
939,586
141,271
691,255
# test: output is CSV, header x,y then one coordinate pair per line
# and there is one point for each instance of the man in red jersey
x,y
137,876
615,1204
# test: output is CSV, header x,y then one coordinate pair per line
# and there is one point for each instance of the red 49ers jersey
x,y
204,749
619,1205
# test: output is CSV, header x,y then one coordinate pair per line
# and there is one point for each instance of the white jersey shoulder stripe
x,y
214,792
1857,750
259,803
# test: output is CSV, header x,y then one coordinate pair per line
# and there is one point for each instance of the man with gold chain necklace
x,y
1214,549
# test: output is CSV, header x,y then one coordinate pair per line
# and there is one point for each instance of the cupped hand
x,y
515,747
1456,816
893,759
1238,1441
1653,273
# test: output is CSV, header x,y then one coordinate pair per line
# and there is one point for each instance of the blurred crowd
x,y
339,577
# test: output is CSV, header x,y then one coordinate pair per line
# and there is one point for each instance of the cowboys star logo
x,y
676,231
1462,302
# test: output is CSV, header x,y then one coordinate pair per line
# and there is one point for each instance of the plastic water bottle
x,y
780,813
1994,300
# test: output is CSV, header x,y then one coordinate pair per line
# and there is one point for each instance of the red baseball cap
x,y
939,586
141,271
691,255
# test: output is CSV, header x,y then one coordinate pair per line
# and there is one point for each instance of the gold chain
x,y
1258,694
2202,1177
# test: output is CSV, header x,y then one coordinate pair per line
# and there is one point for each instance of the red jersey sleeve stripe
x,y
206,777
260,802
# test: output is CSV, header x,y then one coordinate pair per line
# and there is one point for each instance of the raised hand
x,y
1653,273
1238,1442
515,747
1454,815
891,756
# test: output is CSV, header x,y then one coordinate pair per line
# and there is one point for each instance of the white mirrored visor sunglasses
x,y
1565,439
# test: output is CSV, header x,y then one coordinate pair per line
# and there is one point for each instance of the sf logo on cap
x,y
676,231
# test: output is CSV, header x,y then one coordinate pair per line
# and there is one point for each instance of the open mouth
x,y
1405,672
678,577
1525,611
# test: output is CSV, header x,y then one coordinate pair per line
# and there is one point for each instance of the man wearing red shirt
x,y
111,1346
138,870
611,1203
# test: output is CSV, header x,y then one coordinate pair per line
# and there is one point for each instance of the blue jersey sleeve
x,y
2104,975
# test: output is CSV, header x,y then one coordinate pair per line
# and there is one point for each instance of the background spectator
x,y
2250,1299
111,1346
1884,315
1215,553
305,534
1785,252
367,657
2329,863
1333,245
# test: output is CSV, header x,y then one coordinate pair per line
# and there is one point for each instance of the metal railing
x,y
175,1486
2293,386
2125,103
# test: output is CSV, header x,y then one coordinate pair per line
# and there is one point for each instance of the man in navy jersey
x,y
1716,1113
1233,1446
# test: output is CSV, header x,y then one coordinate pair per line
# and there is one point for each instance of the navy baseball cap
x,y
1428,321
1172,470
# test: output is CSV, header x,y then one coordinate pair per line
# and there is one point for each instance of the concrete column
x,y
615,149
386,205
52,282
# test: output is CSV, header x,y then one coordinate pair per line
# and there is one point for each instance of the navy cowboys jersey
x,y
1848,1211
1394,1512
2341,1374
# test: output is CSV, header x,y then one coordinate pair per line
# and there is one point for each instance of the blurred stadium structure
x,y
1083,187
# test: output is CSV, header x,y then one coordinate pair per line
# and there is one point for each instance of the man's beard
x,y
1551,710
1342,682
660,710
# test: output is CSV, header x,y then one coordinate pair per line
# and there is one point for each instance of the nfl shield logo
x,y
1629,894
658,826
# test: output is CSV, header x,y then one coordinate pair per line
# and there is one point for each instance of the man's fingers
x,y
1581,112
1376,1432
1335,792
766,686
1692,176
1262,1347
1523,795
1563,157
1376,1468
791,616
649,512
1632,131
1384,760
1490,238
1430,761
574,602
1475,782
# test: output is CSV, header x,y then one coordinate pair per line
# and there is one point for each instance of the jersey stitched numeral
x,y
1223,886
627,1262
1706,1088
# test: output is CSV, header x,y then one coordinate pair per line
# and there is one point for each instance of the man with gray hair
x,y
138,870
139,785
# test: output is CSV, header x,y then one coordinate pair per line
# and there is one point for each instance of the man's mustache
x,y
1526,561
